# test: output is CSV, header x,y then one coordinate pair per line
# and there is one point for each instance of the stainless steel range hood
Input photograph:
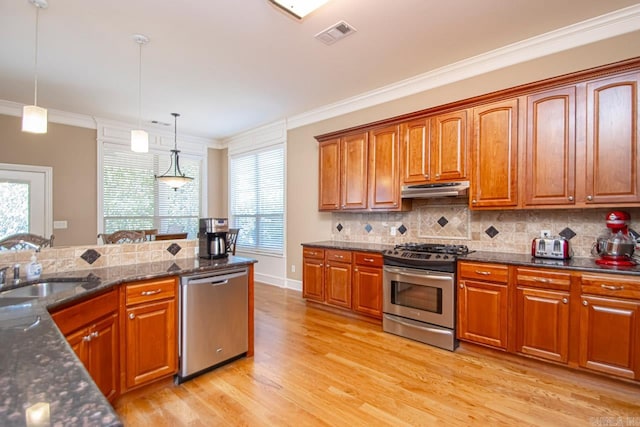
x,y
429,191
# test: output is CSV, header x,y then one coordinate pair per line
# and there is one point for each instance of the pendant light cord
x,y
35,90
139,85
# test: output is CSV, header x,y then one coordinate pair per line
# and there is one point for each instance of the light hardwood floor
x,y
313,367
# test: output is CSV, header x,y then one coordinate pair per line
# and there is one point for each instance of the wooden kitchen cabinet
x,y
612,161
549,166
91,328
313,274
435,149
338,278
329,180
384,168
542,313
610,325
367,284
150,330
495,155
483,303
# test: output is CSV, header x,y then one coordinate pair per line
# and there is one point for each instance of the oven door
x,y
421,295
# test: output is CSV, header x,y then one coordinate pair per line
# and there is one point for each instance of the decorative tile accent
x,y
444,222
568,233
90,256
402,229
173,267
173,249
339,227
368,227
491,232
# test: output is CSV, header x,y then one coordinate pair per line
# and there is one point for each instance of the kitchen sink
x,y
9,301
42,289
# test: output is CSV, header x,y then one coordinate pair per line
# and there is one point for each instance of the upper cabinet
x,y
329,180
384,168
435,149
495,155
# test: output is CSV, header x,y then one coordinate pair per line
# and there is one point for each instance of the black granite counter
x,y
40,373
350,246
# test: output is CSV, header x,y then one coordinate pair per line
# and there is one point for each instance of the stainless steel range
x,y
419,292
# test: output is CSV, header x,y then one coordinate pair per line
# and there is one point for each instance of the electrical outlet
x,y
293,268
392,231
545,233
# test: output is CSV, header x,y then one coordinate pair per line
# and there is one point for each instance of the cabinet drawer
x,y
488,272
611,285
82,314
543,278
364,258
150,290
341,256
313,253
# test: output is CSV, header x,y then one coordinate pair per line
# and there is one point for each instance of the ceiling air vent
x,y
335,32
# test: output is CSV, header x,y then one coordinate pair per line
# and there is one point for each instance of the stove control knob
x,y
437,256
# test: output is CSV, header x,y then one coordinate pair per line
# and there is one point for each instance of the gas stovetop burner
x,y
434,248
429,256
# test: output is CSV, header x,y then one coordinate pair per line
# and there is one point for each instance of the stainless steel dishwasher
x,y
214,309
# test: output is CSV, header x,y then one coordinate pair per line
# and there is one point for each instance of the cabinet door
x,y
353,169
367,291
384,168
482,313
449,146
329,182
103,355
542,323
313,279
495,142
151,346
612,140
610,336
550,148
415,152
79,342
338,284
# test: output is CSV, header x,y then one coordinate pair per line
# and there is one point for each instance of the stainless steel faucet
x,y
31,245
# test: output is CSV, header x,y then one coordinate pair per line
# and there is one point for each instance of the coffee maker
x,y
212,237
616,247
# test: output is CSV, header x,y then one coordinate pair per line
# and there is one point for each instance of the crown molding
x,y
606,26
264,136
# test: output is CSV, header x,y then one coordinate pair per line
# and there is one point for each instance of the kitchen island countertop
x,y
40,373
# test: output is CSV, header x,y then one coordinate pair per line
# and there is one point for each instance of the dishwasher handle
x,y
215,280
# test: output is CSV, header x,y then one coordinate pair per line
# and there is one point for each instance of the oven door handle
x,y
418,276
426,328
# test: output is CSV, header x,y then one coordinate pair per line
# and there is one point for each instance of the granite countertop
x,y
38,369
577,263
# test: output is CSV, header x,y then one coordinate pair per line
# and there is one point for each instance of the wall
x,y
71,152
217,183
306,224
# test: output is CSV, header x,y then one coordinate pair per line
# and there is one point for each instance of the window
x,y
257,199
134,200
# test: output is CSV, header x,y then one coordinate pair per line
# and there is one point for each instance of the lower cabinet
x,y
150,328
367,284
337,279
91,328
313,274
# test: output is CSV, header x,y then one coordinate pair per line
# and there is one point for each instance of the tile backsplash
x,y
432,221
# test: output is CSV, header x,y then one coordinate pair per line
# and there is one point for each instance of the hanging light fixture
x,y
139,137
299,8
177,179
34,118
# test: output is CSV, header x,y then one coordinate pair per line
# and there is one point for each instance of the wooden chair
x,y
123,236
26,241
232,239
149,234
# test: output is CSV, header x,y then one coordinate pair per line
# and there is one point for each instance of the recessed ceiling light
x,y
299,8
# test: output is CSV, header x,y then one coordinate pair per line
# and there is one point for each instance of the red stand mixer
x,y
615,248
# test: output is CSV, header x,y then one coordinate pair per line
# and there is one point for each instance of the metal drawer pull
x,y
585,303
611,287
338,256
132,316
369,259
484,273
146,293
564,300
538,279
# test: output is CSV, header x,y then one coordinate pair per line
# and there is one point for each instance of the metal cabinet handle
x,y
132,316
355,269
571,198
565,300
484,273
321,265
612,287
474,201
589,198
86,338
147,293
426,175
94,334
541,280
585,303
437,175
338,256
369,259
461,285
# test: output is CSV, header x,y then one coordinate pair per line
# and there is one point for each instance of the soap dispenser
x,y
34,268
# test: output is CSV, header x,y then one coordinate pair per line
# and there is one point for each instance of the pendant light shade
x,y
139,137
34,118
174,177
299,8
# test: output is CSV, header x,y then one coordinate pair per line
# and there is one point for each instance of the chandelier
x,y
174,177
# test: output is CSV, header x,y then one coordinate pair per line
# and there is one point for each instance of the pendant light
x,y
177,179
299,8
139,137
34,118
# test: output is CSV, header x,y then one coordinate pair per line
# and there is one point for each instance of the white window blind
x,y
257,199
134,200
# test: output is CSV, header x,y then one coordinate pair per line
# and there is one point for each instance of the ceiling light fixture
x,y
139,137
34,118
178,179
299,8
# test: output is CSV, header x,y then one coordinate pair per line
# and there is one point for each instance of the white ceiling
x,y
229,66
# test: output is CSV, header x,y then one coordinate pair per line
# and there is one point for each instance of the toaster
x,y
551,247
